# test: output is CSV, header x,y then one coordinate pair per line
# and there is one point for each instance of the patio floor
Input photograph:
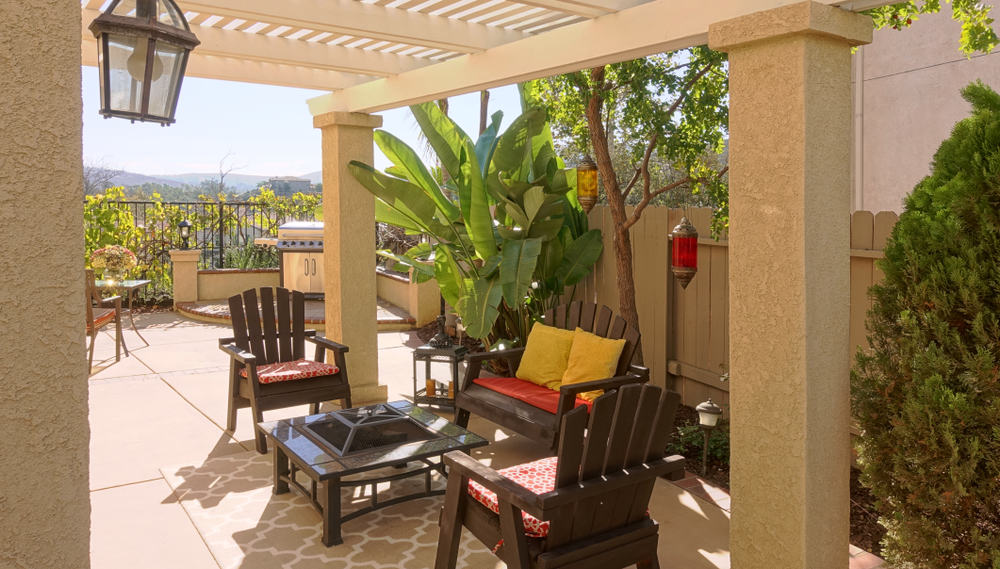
x,y
165,491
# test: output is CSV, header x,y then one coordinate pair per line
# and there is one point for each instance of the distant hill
x,y
234,181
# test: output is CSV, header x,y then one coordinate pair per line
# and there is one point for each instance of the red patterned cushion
x,y
102,316
532,394
538,476
287,371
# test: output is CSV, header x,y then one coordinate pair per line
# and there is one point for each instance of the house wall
x,y
907,100
44,499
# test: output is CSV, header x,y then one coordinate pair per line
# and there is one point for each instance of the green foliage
x,y
927,397
977,25
250,256
504,233
678,98
689,441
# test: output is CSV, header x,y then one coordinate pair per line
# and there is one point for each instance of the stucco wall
x,y
908,85
217,284
44,500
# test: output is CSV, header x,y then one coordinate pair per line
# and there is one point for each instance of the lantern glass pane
x,y
586,182
685,252
126,67
163,89
125,8
167,13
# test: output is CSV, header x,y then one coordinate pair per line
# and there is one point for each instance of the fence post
x,y
221,236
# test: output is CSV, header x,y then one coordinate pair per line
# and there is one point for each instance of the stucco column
x,y
349,249
44,500
790,184
185,274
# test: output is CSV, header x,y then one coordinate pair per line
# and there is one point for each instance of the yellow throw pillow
x,y
591,357
545,355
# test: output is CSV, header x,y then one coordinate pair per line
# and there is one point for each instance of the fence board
x,y
862,231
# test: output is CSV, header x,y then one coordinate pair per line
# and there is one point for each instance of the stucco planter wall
x,y
422,301
222,283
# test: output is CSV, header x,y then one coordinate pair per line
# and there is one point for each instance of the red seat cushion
x,y
102,316
288,371
532,394
538,476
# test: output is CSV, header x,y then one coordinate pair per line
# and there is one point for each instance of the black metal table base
x,y
324,496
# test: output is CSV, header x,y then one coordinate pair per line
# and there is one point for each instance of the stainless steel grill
x,y
300,253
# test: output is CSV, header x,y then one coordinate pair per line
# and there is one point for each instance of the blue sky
x,y
268,130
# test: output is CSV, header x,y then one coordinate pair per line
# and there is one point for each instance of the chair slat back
x,y
91,291
623,430
273,330
597,320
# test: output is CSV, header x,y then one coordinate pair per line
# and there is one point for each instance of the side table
x,y
127,288
429,354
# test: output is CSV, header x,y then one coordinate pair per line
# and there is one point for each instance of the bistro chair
x,y
268,368
100,313
586,507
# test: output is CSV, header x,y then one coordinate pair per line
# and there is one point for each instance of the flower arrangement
x,y
114,260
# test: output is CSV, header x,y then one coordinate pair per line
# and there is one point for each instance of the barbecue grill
x,y
300,254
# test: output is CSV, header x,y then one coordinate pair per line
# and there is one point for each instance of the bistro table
x,y
126,288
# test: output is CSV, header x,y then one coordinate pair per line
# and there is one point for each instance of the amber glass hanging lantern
x,y
586,183
684,252
142,52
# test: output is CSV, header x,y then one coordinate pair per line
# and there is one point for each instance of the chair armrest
x,y
327,343
474,363
461,464
245,358
609,383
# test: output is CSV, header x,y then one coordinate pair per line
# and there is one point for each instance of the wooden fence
x,y
685,332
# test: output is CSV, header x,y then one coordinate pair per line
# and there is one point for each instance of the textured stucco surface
x,y
218,285
349,249
185,274
911,101
44,500
790,129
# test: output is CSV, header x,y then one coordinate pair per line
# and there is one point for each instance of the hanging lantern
x,y
142,52
586,183
684,252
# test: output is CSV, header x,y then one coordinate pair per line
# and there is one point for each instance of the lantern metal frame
x,y
707,410
589,200
184,229
141,27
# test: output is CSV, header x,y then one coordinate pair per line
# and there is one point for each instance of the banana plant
x,y
504,234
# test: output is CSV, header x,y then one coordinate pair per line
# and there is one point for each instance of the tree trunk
x,y
616,204
484,109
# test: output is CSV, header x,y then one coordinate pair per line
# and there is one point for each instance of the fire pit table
x,y
362,447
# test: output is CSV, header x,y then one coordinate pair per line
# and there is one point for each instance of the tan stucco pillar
x,y
349,249
789,157
44,498
185,274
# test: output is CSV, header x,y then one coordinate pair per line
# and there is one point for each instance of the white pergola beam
x,y
659,26
281,51
588,8
245,71
349,17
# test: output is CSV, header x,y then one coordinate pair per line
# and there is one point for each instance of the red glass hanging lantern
x,y
684,252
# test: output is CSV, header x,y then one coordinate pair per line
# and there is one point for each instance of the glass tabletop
x,y
127,283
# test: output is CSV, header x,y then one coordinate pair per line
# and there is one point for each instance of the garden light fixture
x,y
684,252
184,229
586,183
708,417
142,52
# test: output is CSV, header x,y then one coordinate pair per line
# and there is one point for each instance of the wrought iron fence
x,y
224,231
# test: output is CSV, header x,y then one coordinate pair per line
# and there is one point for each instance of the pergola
x,y
790,133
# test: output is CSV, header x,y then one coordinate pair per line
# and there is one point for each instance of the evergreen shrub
x,y
927,394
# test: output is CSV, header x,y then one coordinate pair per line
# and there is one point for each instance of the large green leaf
x,y
479,220
446,138
580,256
513,152
401,195
479,307
406,159
450,279
487,143
517,267
534,198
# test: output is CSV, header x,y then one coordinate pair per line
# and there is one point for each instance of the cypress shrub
x,y
927,395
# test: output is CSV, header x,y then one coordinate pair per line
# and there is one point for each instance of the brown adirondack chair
x,y
100,313
586,508
531,421
268,368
